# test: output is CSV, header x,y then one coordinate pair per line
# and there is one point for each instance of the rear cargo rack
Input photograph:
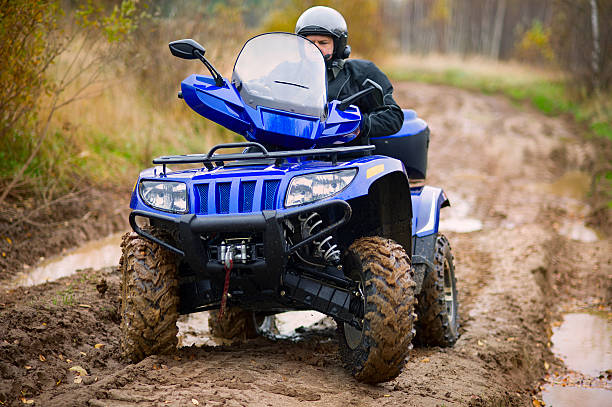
x,y
279,156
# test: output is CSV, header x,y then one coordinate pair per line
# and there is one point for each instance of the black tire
x,y
149,298
437,309
378,351
236,324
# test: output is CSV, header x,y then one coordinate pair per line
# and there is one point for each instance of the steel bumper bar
x,y
268,222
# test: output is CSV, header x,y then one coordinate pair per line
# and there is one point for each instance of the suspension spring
x,y
326,249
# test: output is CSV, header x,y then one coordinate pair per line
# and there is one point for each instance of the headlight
x,y
164,195
314,187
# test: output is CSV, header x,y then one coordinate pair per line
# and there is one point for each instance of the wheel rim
x,y
354,335
449,294
263,323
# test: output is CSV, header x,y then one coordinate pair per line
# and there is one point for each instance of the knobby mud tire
x,y
438,321
235,324
149,298
383,267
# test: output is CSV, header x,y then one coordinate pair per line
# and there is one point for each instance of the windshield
x,y
282,71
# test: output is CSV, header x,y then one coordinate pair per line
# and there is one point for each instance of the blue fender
x,y
371,169
426,204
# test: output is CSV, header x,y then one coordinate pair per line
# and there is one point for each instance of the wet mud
x,y
501,167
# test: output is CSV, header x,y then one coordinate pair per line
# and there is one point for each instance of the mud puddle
x,y
572,188
583,342
577,230
95,254
457,217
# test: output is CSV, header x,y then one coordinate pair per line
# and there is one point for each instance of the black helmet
x,y
321,20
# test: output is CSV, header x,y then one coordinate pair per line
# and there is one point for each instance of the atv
x,y
292,220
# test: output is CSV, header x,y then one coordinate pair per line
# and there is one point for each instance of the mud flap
x,y
423,258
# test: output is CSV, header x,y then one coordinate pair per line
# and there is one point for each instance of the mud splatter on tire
x,y
381,350
236,323
149,298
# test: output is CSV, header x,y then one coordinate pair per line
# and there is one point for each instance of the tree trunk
x,y
596,51
498,27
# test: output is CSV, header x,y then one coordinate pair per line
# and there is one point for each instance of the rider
x,y
327,29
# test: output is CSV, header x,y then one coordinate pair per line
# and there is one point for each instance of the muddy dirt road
x,y
515,179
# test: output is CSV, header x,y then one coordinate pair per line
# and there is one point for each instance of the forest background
x,y
88,88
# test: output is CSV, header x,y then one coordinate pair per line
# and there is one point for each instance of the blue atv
x,y
292,220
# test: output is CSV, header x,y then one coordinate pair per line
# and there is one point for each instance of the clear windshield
x,y
282,71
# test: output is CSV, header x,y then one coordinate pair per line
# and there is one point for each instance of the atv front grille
x,y
247,193
232,196
269,194
223,197
202,192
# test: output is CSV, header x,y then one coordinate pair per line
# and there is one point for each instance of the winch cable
x,y
227,266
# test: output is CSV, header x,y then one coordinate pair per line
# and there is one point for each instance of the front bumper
x,y
269,279
268,222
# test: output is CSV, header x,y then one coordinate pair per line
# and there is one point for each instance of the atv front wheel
x,y
437,309
377,352
149,298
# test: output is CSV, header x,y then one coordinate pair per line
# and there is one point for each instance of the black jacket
x,y
345,78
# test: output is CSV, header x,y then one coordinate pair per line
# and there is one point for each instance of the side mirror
x,y
186,49
373,90
190,49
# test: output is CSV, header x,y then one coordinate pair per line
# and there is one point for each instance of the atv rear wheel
x,y
377,352
239,324
149,298
437,309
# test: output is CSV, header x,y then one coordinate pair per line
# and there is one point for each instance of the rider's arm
x,y
382,120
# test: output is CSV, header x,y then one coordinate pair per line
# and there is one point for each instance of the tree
x,y
32,39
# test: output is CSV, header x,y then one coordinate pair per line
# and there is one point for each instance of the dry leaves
x,y
79,370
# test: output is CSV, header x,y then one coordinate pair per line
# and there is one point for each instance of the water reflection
x,y
584,343
96,254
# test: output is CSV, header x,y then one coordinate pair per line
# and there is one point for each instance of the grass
x,y
110,136
124,120
65,297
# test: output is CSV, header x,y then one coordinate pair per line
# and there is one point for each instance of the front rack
x,y
279,156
